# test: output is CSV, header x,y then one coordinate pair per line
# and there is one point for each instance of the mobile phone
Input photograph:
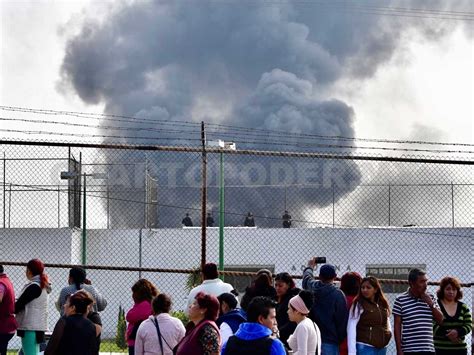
x,y
320,259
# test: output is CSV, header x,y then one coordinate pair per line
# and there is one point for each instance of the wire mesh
x,y
378,217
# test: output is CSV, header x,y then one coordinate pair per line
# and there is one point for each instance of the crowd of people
x,y
273,316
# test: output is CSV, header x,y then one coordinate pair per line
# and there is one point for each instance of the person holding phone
x,y
329,310
414,312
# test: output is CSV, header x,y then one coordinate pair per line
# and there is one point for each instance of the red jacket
x,y
8,323
137,314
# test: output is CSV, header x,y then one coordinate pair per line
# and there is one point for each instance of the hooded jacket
x,y
233,318
254,331
329,310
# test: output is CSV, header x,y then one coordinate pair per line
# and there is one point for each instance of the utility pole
x,y
203,197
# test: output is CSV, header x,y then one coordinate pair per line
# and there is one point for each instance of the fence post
x,y
452,202
4,189
140,252
59,208
108,205
333,211
9,204
389,196
203,197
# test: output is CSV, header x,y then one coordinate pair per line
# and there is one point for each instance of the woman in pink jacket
x,y
160,333
143,291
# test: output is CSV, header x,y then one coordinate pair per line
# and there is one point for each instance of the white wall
x,y
443,250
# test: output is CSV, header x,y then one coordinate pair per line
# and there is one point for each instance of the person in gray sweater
x,y
329,310
78,281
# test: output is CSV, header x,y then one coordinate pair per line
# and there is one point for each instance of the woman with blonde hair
x,y
368,328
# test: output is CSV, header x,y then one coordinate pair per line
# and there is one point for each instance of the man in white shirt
x,y
211,284
230,317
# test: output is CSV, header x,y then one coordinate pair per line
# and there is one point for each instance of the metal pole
x,y
59,208
452,202
285,198
140,252
4,189
389,212
146,193
203,197
333,208
84,226
9,204
108,204
221,213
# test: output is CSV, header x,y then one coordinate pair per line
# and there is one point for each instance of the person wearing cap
x,y
78,281
330,309
31,308
306,339
211,283
8,323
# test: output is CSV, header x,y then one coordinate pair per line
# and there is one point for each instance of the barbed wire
x,y
213,128
381,11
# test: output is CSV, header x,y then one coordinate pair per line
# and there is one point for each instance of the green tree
x,y
120,340
181,315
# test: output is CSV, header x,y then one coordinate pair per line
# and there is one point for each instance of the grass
x,y
108,345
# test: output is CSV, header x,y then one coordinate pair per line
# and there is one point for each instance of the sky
x,y
423,81
302,67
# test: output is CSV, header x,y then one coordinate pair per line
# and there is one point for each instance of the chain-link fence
x,y
119,208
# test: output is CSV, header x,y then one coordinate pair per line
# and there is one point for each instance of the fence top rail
x,y
241,152
194,271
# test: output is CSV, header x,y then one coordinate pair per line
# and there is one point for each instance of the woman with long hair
x,y
350,285
202,336
449,337
31,308
306,338
78,280
368,328
261,286
74,333
161,332
285,289
143,292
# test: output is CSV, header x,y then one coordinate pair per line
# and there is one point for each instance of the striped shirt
x,y
461,321
417,323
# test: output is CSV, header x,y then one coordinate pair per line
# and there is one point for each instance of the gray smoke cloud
x,y
253,64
